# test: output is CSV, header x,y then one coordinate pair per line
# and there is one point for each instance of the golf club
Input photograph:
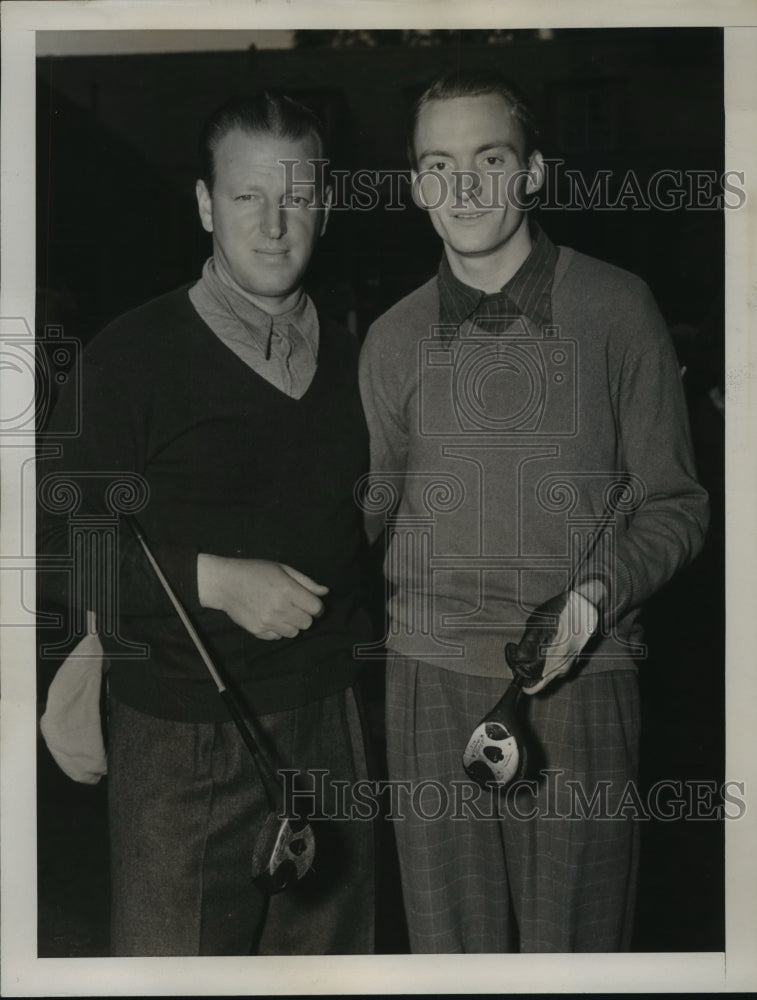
x,y
496,754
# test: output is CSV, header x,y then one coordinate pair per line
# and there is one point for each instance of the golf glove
x,y
554,636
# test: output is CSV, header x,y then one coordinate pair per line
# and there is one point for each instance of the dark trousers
x,y
185,804
534,873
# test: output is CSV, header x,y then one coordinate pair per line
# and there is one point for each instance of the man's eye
x,y
296,200
493,161
439,165
245,197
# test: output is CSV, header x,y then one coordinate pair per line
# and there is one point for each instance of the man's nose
x,y
274,221
468,182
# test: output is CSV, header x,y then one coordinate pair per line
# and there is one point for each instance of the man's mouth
x,y
468,216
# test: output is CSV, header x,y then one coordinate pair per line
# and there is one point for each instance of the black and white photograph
x,y
377,560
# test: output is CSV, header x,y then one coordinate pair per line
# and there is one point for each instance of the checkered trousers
x,y
541,870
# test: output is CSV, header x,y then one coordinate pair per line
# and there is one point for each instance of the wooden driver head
x,y
492,756
283,854
496,753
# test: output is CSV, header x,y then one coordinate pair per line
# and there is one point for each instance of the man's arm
x,y
380,378
111,444
667,528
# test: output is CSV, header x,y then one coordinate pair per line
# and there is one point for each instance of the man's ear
x,y
328,197
204,205
535,178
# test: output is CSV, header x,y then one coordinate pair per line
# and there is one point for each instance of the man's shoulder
x,y
168,306
414,312
151,324
579,271
599,296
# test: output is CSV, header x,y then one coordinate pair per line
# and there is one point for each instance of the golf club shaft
x,y
242,722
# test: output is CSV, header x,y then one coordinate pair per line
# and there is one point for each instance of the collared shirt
x,y
282,349
528,293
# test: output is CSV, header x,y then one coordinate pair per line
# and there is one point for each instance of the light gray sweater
x,y
501,452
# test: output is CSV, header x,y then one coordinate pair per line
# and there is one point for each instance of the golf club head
x,y
496,752
493,756
283,854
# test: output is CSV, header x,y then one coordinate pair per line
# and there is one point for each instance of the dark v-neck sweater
x,y
235,468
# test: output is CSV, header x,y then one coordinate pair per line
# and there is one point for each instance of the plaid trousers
x,y
534,872
185,802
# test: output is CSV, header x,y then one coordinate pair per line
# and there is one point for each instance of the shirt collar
x,y
302,319
527,293
254,323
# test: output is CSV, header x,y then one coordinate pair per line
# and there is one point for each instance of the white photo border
x,y
23,974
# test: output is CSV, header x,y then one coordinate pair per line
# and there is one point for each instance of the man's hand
x,y
268,599
555,634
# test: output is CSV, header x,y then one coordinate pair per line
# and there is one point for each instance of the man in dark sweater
x,y
522,405
231,409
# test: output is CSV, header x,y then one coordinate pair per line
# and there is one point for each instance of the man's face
x,y
466,149
264,229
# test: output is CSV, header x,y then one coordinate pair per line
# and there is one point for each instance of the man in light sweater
x,y
522,405
235,407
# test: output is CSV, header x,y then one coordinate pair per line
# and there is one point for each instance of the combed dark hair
x,y
475,83
264,112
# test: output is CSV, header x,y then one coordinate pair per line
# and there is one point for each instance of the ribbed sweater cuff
x,y
179,563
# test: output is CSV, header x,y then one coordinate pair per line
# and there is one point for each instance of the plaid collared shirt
x,y
528,293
